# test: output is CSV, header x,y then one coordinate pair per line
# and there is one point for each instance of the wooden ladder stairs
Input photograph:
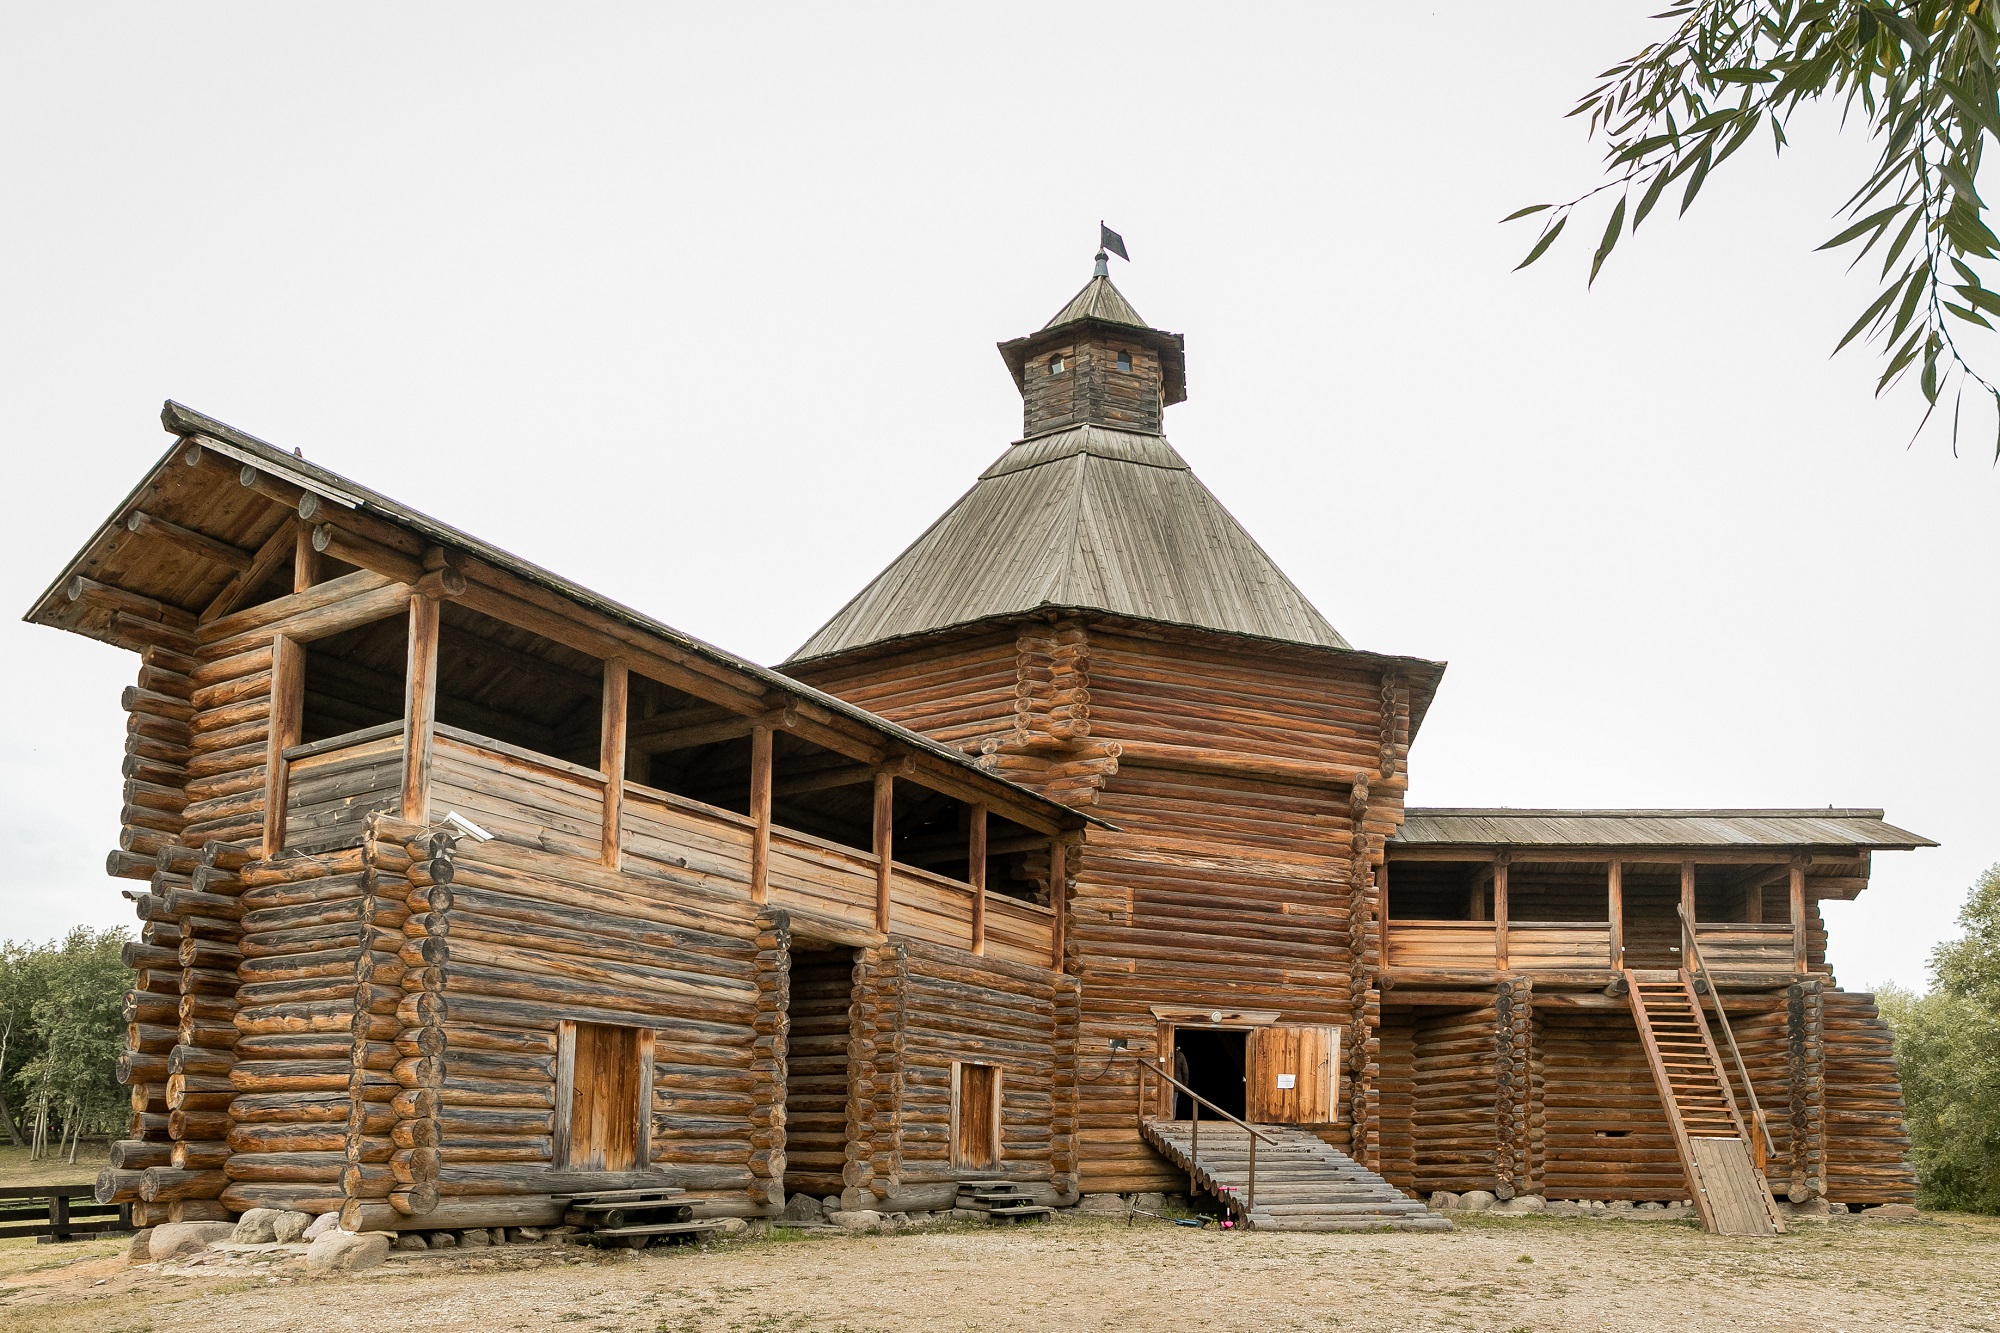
x,y
1729,1188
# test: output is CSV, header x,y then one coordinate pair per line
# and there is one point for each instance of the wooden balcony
x,y
1473,948
1733,948
536,800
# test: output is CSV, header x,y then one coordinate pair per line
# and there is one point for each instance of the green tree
x,y
75,993
1916,75
1948,1052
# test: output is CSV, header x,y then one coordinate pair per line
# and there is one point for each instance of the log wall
x,y
1867,1143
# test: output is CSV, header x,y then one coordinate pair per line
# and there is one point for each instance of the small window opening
x,y
1056,364
1124,360
512,685
354,679
975,1115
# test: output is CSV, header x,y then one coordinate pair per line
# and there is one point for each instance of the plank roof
x,y
1087,517
1098,300
1509,827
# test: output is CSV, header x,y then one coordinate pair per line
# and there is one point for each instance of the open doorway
x,y
822,995
1209,1060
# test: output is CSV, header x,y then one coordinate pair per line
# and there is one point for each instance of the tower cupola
x,y
1097,364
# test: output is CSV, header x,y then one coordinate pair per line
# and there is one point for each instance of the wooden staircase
x,y
1001,1201
1729,1188
1303,1183
634,1218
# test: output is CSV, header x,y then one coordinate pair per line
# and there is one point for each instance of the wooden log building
x,y
466,891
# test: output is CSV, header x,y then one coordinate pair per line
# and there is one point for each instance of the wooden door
x,y
604,1091
975,1116
1291,1075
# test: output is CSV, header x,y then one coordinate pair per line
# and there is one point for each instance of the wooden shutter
x,y
1291,1075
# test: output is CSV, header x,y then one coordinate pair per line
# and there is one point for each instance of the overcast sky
x,y
696,305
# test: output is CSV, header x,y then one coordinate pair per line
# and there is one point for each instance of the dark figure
x,y
1183,1104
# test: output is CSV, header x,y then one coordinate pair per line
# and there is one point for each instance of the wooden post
x,y
975,874
305,558
1058,900
420,709
885,828
1798,888
288,704
1500,912
1615,895
760,810
1753,900
1687,908
611,758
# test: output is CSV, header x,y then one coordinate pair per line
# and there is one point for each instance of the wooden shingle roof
x,y
1098,300
1085,517
1507,827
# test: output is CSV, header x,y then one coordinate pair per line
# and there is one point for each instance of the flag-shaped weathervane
x,y
1108,239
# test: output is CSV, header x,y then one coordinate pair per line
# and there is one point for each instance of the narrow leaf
x,y
1541,246
1611,232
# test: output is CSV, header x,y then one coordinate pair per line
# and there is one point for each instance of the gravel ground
x,y
1514,1275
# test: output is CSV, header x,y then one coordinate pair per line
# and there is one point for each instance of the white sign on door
x,y
1288,1080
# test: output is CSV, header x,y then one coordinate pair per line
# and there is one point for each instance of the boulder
x,y
1619,1206
1523,1203
733,1226
1102,1205
340,1251
475,1236
1443,1201
1476,1201
523,1235
830,1204
322,1224
256,1227
804,1208
287,1227
443,1240
1155,1203
860,1219
1892,1210
141,1248
410,1240
170,1240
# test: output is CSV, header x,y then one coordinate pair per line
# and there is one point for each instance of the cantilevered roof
x,y
1098,300
166,575
1086,517
1655,828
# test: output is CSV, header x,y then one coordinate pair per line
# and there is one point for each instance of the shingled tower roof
x,y
1090,509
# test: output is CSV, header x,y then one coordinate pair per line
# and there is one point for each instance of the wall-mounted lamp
x,y
1117,1045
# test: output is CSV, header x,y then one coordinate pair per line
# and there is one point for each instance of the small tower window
x,y
1124,360
1056,364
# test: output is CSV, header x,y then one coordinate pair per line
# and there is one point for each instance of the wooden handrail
x,y
1194,1145
1715,997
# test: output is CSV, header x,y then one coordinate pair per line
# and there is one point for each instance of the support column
x,y
976,875
1798,899
288,682
1500,912
760,810
611,759
1615,905
305,558
420,709
1687,910
885,828
1058,901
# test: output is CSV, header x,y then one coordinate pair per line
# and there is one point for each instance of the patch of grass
x,y
16,1169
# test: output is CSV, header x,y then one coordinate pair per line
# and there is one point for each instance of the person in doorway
x,y
1183,1104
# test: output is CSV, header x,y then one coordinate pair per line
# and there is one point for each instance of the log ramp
x,y
1302,1183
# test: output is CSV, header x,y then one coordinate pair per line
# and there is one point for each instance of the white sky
x,y
696,305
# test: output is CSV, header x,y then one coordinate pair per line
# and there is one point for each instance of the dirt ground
x,y
1511,1275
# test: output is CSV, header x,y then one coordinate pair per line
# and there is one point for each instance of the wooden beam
x,y
1058,902
1615,907
611,759
1500,912
1687,892
81,589
885,830
305,558
269,556
656,735
320,512
760,810
420,709
976,876
288,676
1200,759
197,543
364,554
1798,903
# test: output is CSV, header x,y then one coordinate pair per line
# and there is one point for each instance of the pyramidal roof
x,y
1091,515
1091,518
1098,300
